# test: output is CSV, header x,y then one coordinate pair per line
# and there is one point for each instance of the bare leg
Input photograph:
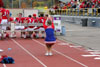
x,y
49,48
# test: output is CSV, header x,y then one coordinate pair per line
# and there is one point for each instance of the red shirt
x,y
20,20
35,20
0,20
41,19
10,19
82,6
30,20
65,7
5,13
69,4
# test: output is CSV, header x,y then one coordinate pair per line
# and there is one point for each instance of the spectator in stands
x,y
55,7
98,5
83,4
61,4
64,7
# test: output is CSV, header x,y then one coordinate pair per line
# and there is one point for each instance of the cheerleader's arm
x,y
45,26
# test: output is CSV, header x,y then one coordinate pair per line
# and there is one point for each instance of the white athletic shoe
x,y
13,36
1,50
4,35
47,54
0,34
50,54
24,36
32,36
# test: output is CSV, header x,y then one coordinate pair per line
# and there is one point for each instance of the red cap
x,y
34,15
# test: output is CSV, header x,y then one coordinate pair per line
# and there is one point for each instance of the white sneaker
x,y
50,54
32,36
4,35
11,35
24,36
1,50
47,54
15,36
0,34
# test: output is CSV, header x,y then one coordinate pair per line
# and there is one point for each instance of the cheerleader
x,y
50,39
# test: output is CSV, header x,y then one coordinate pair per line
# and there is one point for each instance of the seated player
x,y
11,20
25,33
41,29
36,29
20,20
30,28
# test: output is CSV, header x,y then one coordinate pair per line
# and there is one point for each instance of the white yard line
x,y
29,53
63,54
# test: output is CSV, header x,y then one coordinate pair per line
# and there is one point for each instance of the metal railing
x,y
95,12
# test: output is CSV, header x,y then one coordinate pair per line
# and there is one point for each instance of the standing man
x,y
4,20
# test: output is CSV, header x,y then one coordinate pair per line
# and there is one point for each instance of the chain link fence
x,y
25,12
27,3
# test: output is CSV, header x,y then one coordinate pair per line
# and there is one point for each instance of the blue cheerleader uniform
x,y
50,38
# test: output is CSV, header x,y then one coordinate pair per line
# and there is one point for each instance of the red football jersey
x,y
5,13
20,20
35,20
29,20
10,19
41,19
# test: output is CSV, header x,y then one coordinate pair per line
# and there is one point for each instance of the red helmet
x,y
34,15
